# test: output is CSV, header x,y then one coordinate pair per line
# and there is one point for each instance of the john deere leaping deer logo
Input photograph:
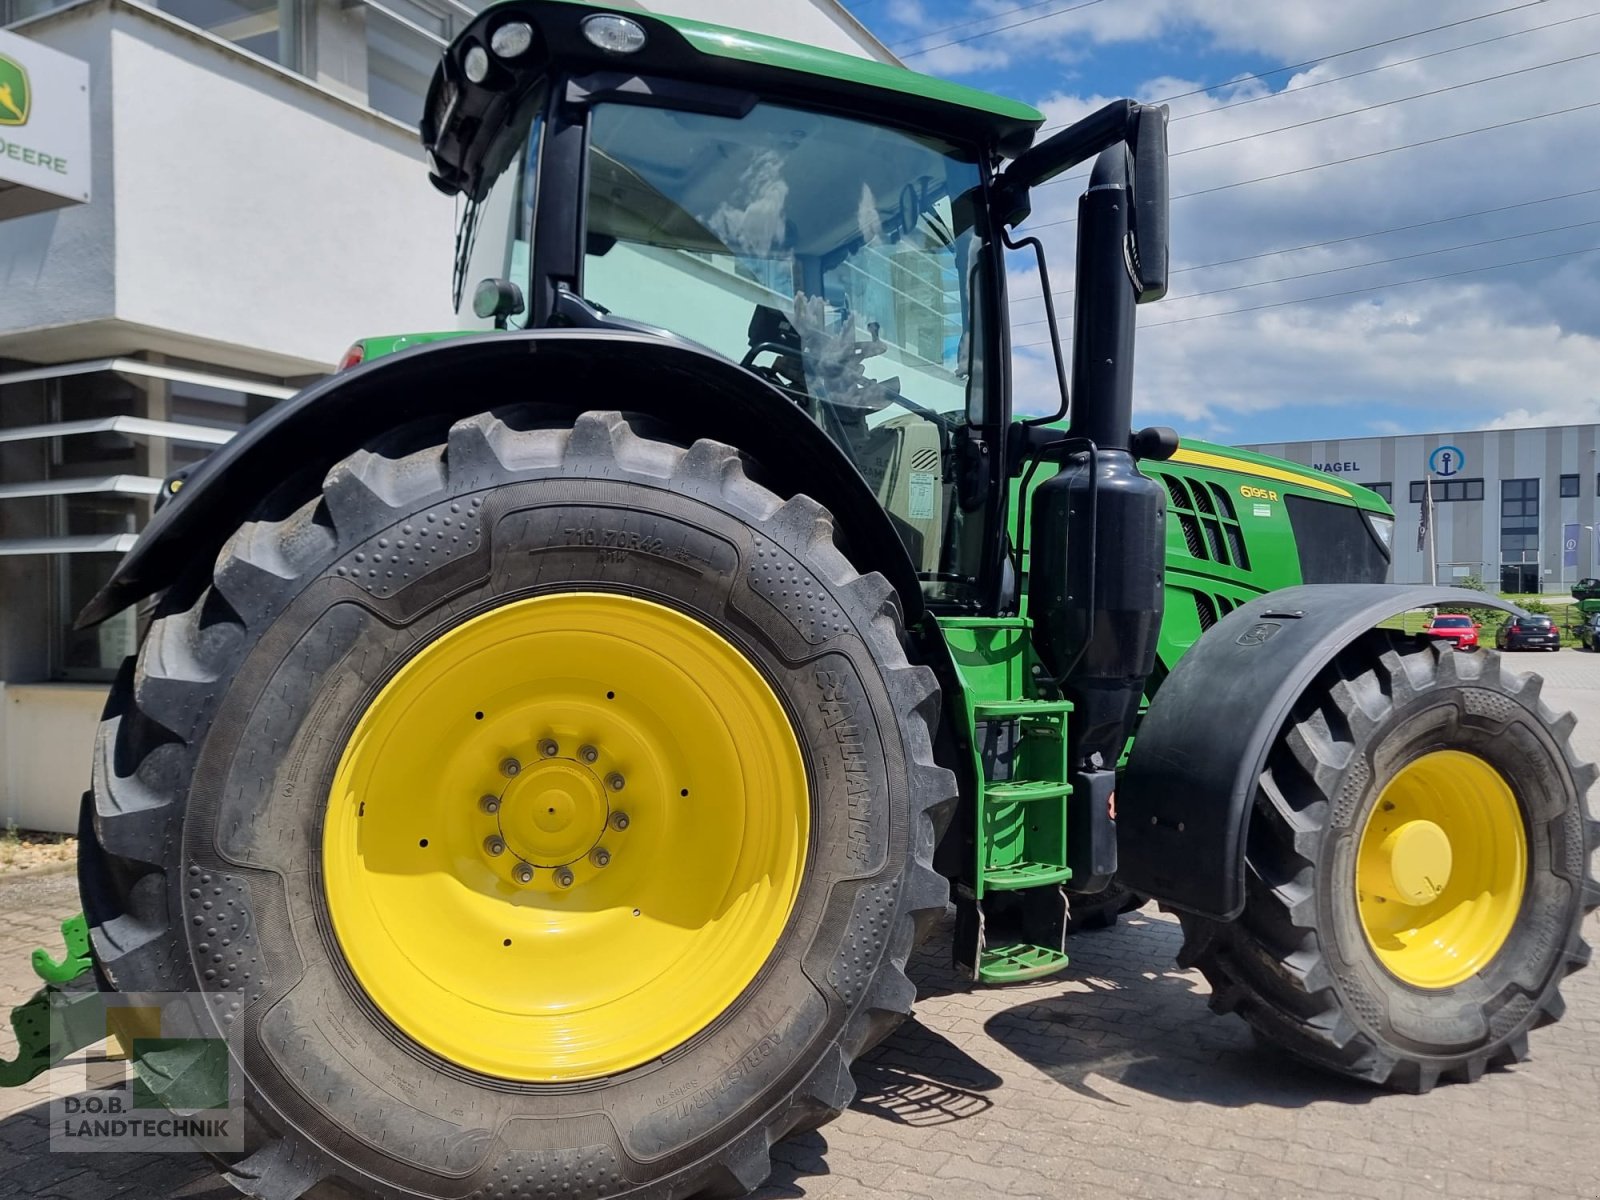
x,y
16,97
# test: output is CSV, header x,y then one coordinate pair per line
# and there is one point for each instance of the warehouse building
x,y
208,202
1514,508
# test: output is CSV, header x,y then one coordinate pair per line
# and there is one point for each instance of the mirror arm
x,y
1075,144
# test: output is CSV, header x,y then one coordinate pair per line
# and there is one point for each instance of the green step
x,y
1018,962
1024,874
1003,709
1019,791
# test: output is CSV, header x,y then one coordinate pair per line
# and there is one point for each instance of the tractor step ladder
x,y
1023,786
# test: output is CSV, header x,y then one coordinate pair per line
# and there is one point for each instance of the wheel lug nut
x,y
616,782
494,846
600,856
522,873
564,878
489,804
549,748
510,768
619,821
588,753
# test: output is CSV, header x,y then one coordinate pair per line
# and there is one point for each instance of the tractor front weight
x,y
59,1018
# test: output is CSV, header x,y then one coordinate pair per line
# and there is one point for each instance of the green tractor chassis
x,y
551,740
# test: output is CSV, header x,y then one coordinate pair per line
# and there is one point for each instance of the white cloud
x,y
1573,412
1519,345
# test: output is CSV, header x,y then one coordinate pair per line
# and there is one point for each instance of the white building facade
x,y
1518,509
258,201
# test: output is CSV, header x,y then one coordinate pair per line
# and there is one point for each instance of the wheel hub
x,y
565,837
554,813
1440,869
1413,863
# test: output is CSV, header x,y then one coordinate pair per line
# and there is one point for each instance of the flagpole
x,y
1433,536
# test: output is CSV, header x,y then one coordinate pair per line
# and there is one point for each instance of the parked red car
x,y
1452,627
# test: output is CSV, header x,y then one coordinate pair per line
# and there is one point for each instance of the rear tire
x,y
203,868
1299,966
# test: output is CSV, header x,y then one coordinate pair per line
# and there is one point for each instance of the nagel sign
x,y
44,127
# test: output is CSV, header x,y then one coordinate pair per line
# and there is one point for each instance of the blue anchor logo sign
x,y
1446,461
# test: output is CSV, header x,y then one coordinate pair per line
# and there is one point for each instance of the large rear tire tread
x,y
1269,966
154,724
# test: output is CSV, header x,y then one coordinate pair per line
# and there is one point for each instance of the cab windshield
x,y
836,258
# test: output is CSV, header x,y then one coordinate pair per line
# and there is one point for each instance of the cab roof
x,y
1005,118
462,120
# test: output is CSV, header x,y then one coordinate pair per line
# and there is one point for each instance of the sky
x,y
1397,352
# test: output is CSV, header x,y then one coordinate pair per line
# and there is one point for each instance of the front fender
x,y
1184,803
696,393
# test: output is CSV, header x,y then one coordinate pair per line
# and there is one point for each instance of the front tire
x,y
277,809
1417,871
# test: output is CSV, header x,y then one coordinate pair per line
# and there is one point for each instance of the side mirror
x,y
1148,227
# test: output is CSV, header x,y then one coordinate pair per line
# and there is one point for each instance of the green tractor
x,y
548,744
1586,628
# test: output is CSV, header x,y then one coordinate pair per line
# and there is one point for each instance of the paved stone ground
x,y
1115,1078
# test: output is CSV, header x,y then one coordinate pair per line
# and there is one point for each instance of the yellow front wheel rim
x,y
565,837
1441,868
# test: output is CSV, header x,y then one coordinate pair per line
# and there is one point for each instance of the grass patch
x,y
1566,618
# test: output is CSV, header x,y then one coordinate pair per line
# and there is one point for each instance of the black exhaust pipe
x,y
1098,529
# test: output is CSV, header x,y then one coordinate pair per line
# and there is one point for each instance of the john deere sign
x,y
44,128
14,96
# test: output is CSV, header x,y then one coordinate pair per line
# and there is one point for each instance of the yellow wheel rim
x,y
1440,869
565,837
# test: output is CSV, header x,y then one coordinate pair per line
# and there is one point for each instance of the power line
x,y
1311,62
1337,162
1404,62
1560,62
1377,262
1378,287
973,37
1351,112
1352,237
928,33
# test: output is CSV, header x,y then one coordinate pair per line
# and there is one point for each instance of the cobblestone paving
x,y
1114,1078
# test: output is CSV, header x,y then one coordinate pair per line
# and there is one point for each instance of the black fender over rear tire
x,y
1297,966
201,869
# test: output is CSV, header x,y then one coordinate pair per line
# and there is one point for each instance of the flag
x,y
1427,507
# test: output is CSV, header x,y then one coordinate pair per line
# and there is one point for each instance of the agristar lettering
x,y
34,158
1337,468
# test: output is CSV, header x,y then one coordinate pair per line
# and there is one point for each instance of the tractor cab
x,y
849,262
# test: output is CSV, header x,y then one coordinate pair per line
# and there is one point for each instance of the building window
x,y
403,44
92,653
1569,486
1386,491
1519,520
264,27
86,447
1448,490
381,53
